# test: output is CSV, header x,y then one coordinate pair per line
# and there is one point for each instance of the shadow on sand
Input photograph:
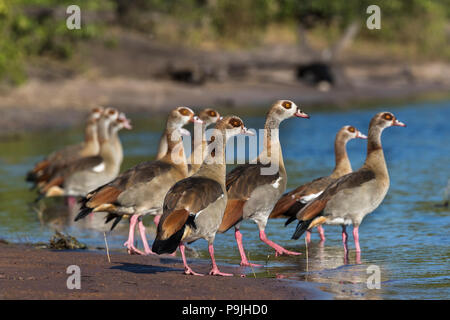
x,y
143,268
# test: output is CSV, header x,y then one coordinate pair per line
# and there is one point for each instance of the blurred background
x,y
150,55
146,57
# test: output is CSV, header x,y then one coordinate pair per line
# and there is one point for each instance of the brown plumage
x,y
253,189
350,198
191,195
106,195
141,173
315,208
194,207
249,178
233,214
291,202
141,189
173,223
81,176
45,169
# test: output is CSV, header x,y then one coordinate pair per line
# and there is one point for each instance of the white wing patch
x,y
276,184
339,221
99,168
310,197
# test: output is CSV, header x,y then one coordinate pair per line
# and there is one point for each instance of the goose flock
x,y
194,198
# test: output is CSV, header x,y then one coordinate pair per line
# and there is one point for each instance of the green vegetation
x,y
38,27
30,28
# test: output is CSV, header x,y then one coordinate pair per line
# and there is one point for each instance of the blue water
x,y
406,238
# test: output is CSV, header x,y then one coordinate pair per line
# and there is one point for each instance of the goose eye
x,y
236,123
111,112
212,114
387,116
287,105
184,112
352,129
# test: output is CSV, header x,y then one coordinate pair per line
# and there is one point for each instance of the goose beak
x,y
398,123
196,119
127,124
360,135
247,132
299,113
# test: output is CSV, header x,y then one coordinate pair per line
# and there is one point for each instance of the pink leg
x,y
356,238
308,236
344,238
244,261
187,269
130,242
156,220
279,250
321,233
141,227
71,202
215,271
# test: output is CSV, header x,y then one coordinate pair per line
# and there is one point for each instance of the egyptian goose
x,y
350,198
194,207
162,146
141,189
208,116
43,170
293,201
253,189
81,176
171,124
113,133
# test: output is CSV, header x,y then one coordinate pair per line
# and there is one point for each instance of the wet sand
x,y
27,272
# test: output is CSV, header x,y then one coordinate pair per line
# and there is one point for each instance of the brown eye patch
x,y
352,129
184,111
236,122
111,112
387,116
287,104
212,113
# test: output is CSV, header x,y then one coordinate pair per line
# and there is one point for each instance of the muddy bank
x,y
30,273
39,105
143,77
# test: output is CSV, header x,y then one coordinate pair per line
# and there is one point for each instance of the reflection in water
x,y
406,237
58,215
329,266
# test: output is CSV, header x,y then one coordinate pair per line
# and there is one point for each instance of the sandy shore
x,y
30,273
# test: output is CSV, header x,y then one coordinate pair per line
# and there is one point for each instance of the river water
x,y
405,241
